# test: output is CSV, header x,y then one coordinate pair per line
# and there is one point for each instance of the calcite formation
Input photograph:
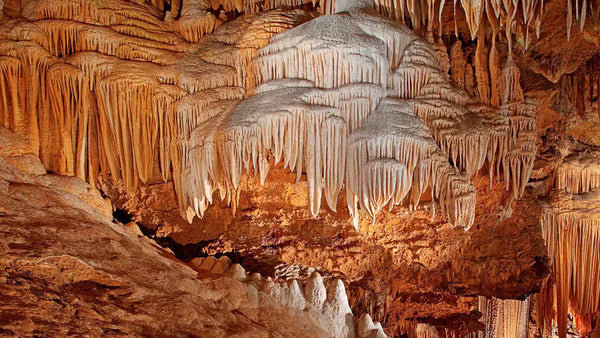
x,y
134,104
356,104
387,123
505,317
571,230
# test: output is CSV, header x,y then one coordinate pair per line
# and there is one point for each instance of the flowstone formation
x,y
133,104
358,167
360,100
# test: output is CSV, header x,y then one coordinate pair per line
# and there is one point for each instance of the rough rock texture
x,y
67,269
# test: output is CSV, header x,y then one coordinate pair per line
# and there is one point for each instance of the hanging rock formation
x,y
571,229
504,317
134,107
319,87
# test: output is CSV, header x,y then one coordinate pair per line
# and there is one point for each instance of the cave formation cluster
x,y
380,167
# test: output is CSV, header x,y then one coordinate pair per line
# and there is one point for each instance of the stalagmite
x,y
329,306
470,85
208,263
221,265
337,308
315,291
237,272
367,329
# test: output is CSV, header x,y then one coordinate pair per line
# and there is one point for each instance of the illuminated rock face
x,y
181,105
351,98
114,86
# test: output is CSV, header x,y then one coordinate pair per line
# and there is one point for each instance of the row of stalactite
x,y
137,111
570,222
526,15
579,91
111,107
571,229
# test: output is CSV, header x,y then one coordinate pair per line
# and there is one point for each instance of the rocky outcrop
x,y
68,269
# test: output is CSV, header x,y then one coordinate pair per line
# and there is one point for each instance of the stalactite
x,y
504,317
544,307
571,229
457,64
393,152
310,138
579,90
509,82
474,14
69,97
126,106
272,132
325,66
254,6
259,34
131,105
20,87
495,74
420,14
195,20
579,172
61,37
130,132
481,67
